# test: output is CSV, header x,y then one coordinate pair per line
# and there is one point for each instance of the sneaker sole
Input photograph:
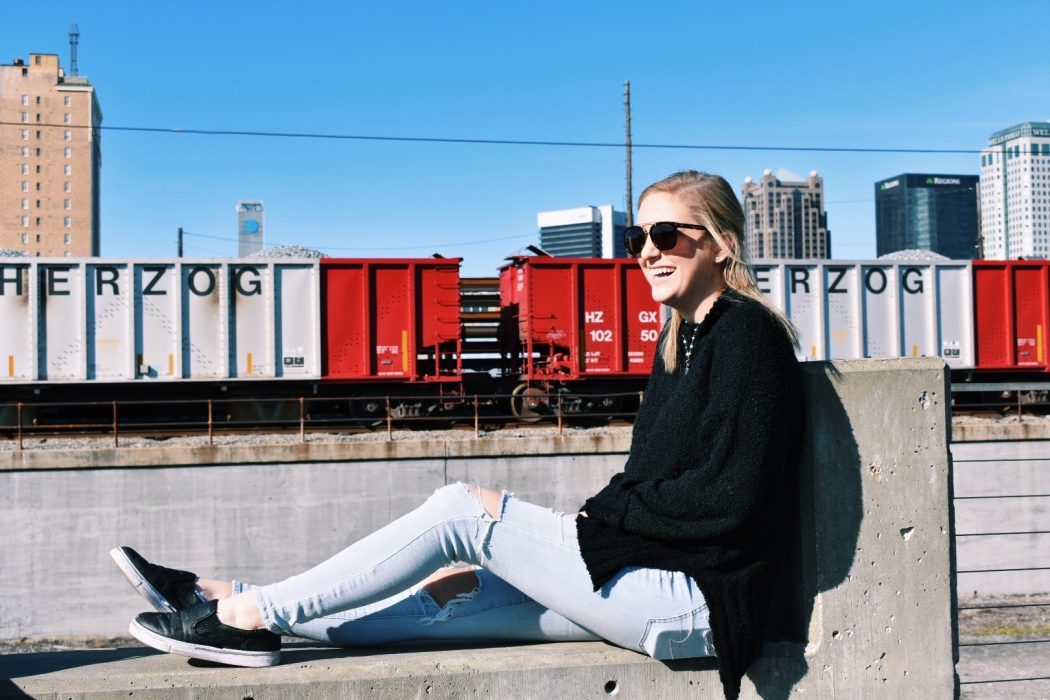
x,y
230,657
139,583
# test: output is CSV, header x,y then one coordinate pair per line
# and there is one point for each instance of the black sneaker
x,y
167,590
197,633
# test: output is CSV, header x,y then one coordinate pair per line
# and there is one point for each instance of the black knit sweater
x,y
703,488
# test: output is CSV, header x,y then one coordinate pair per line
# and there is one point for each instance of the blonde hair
x,y
714,205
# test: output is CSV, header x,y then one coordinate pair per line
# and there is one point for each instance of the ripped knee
x,y
448,584
490,499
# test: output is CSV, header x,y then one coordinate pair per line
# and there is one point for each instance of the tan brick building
x,y
50,156
786,218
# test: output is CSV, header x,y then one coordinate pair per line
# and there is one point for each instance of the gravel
x,y
289,251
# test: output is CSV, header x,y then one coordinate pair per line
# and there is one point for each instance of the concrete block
x,y
864,609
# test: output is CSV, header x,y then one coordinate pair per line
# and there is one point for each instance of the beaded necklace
x,y
688,347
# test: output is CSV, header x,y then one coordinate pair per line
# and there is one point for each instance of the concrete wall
x,y
866,598
983,471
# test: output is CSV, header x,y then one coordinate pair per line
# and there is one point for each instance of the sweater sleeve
x,y
740,428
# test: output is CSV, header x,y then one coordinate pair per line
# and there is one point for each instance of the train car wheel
x,y
370,413
527,403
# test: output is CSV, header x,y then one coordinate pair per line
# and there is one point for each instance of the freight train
x,y
410,336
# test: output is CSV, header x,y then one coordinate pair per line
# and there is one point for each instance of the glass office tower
x,y
927,212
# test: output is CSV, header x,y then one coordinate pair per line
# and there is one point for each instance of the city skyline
x,y
491,73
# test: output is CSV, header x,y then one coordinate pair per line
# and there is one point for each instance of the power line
x,y
500,142
449,244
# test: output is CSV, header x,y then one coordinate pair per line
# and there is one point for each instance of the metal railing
x,y
121,419
1041,630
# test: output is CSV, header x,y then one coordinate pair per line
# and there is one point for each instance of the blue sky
x,y
870,75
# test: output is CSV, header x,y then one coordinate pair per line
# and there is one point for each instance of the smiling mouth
x,y
661,272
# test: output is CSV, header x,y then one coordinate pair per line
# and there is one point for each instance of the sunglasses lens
x,y
634,240
663,235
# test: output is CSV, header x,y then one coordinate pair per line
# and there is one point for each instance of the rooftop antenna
x,y
74,39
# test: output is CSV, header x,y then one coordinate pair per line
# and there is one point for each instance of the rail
x,y
1002,624
22,421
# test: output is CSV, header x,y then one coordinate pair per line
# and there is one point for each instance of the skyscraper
x,y
584,232
927,212
785,216
1015,192
50,155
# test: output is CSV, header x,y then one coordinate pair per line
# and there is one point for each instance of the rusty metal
x,y
302,419
389,421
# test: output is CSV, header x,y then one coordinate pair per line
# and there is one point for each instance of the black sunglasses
x,y
663,234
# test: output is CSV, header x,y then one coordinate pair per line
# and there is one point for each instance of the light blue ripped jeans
x,y
532,586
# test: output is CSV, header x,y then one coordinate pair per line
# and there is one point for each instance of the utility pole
x,y
630,194
180,242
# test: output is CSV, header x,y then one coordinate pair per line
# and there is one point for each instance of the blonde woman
x,y
674,558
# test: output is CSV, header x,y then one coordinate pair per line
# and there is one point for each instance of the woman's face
x,y
688,277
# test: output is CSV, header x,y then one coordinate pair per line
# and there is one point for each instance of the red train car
x,y
391,320
1012,314
575,322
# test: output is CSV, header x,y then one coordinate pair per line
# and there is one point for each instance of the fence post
x,y
389,421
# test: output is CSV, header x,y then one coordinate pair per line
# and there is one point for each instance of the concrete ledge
x,y
566,670
295,452
987,432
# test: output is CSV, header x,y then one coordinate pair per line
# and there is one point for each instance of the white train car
x,y
847,309
100,320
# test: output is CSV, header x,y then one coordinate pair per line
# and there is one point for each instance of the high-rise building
x,y
50,155
927,212
785,216
1015,192
584,232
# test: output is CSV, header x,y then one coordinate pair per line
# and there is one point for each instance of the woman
x,y
674,558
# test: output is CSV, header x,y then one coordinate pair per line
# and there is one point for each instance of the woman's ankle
x,y
241,611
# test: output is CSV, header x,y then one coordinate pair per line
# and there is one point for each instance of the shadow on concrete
x,y
819,554
42,663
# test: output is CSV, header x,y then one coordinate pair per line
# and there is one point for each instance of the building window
x,y
25,186
38,134
25,117
67,169
66,187
25,203
38,238
67,135
67,238
38,99
25,221
37,222
66,204
66,119
25,168
36,60
25,99
38,204
38,151
69,152
25,134
38,117
67,100
38,168
25,238
38,187
68,221
25,151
